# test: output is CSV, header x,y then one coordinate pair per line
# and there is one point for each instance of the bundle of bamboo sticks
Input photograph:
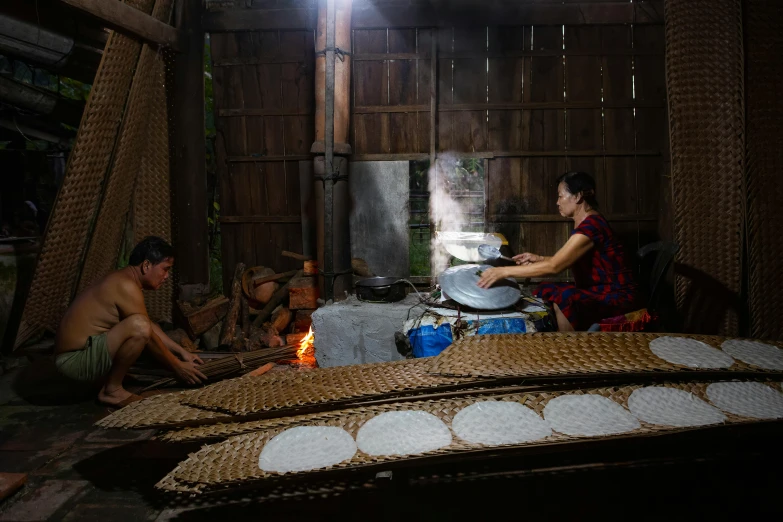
x,y
237,364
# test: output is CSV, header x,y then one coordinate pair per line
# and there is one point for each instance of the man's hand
x,y
190,357
492,275
527,258
189,374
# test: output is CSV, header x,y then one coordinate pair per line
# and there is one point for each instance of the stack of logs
x,y
264,309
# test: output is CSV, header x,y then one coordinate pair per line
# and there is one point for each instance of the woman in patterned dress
x,y
603,284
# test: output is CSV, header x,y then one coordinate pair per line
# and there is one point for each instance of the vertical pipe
x,y
433,96
329,154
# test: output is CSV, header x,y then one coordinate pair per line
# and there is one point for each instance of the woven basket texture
x,y
158,411
764,89
235,461
109,230
558,354
152,202
704,79
60,261
319,386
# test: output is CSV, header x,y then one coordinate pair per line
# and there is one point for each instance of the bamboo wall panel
x,y
705,80
264,102
65,242
764,87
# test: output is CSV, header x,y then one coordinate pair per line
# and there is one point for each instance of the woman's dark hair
x,y
152,249
580,182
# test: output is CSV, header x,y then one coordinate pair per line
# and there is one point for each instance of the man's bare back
x,y
96,310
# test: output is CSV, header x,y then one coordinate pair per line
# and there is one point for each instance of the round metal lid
x,y
461,284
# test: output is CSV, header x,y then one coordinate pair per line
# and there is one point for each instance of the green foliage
x,y
419,253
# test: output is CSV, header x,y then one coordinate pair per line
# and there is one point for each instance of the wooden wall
x,y
535,88
263,87
535,101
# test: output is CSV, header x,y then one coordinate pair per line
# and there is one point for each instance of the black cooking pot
x,y
380,290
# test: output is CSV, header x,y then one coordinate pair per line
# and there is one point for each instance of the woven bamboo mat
x,y
704,81
235,461
158,411
764,101
152,201
109,229
60,261
560,354
319,386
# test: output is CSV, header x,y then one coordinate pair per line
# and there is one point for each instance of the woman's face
x,y
566,202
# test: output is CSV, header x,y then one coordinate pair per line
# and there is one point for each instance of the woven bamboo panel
x,y
152,202
764,89
319,386
157,411
704,79
558,354
109,229
60,261
235,460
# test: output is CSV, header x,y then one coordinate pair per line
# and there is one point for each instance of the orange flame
x,y
306,345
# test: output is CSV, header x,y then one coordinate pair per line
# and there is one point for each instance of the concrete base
x,y
355,332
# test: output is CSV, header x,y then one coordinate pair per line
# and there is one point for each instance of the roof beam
x,y
126,19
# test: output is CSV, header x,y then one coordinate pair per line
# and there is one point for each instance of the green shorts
x,y
88,364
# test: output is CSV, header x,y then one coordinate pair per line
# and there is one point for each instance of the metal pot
x,y
380,290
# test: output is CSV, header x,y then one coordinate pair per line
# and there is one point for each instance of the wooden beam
x,y
260,158
369,16
557,218
126,19
233,20
260,219
456,107
188,152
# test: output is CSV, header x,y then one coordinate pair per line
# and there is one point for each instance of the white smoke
x,y
446,213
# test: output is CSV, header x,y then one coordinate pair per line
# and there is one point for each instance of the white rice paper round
x,y
306,448
689,352
747,399
672,407
756,354
403,433
494,422
589,415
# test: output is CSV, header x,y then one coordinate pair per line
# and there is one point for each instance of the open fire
x,y
305,350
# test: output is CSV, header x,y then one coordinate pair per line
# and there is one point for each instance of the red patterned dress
x,y
603,285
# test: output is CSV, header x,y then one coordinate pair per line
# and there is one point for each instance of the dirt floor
x,y
79,472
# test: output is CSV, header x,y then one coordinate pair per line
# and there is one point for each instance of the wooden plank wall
x,y
515,86
535,101
264,106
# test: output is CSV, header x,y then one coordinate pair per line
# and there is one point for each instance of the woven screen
x,y
152,202
119,161
107,236
62,252
704,78
764,88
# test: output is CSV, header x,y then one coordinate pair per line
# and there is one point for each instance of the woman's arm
x,y
577,246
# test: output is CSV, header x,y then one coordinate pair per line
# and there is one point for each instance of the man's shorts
x,y
88,364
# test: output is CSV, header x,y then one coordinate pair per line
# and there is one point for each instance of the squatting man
x,y
106,327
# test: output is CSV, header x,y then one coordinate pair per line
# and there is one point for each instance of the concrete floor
x,y
78,472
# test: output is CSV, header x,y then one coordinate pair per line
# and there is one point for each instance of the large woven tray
x,y
234,462
557,354
320,386
159,411
281,393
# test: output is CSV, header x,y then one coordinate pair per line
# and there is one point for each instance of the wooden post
x,y
188,159
228,331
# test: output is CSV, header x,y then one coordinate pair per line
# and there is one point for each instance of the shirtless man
x,y
106,327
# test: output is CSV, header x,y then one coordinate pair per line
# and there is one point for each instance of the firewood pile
x,y
263,320
263,309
